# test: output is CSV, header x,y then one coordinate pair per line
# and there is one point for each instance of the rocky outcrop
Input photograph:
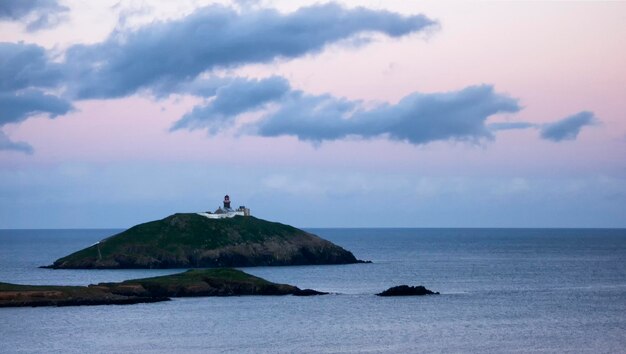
x,y
194,241
203,282
405,290
196,282
13,295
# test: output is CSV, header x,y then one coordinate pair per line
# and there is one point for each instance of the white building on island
x,y
226,211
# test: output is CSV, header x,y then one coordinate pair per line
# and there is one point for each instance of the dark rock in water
x,y
194,241
195,282
309,292
405,290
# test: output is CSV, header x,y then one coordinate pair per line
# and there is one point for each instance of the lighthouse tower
x,y
226,211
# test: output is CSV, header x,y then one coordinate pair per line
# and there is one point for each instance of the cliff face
x,y
191,240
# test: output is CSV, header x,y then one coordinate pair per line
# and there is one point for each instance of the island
x,y
405,290
204,240
192,283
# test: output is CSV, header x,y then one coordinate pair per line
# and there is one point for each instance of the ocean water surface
x,y
503,290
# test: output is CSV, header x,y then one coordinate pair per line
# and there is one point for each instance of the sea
x,y
502,291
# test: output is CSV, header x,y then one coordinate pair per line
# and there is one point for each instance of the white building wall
x,y
230,214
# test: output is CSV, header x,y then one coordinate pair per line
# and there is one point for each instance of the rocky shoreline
x,y
192,283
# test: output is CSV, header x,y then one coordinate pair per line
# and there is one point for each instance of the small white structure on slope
x,y
226,211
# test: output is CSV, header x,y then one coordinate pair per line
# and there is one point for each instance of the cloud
x,y
26,65
568,127
7,144
200,86
239,96
163,54
37,14
418,118
174,56
243,4
26,73
18,106
510,126
181,57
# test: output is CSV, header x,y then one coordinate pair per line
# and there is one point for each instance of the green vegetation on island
x,y
194,241
195,282
204,282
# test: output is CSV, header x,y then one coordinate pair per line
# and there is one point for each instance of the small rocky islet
x,y
406,290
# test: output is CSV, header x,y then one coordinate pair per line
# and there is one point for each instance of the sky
x,y
315,114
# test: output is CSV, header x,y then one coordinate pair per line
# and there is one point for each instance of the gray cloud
x,y
510,126
164,54
36,14
25,73
27,65
169,57
176,57
18,106
7,144
568,127
201,86
232,99
418,118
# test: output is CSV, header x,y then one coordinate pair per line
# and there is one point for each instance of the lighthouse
x,y
226,211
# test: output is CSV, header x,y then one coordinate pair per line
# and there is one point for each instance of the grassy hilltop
x,y
194,241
